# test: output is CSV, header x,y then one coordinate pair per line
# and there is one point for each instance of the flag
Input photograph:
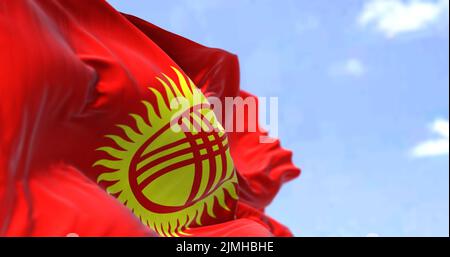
x,y
107,129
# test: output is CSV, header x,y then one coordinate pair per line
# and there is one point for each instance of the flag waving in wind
x,y
107,129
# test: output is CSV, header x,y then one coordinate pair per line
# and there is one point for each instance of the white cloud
x,y
394,17
353,67
438,146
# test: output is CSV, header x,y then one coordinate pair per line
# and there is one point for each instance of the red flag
x,y
88,140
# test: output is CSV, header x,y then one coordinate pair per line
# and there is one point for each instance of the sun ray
x,y
108,176
122,143
131,134
114,189
210,206
141,125
113,152
110,164
174,86
168,90
151,114
221,200
122,197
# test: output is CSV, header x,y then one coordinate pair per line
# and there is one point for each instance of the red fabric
x,y
236,228
61,201
70,71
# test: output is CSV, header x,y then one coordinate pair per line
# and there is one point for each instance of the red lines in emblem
x,y
203,145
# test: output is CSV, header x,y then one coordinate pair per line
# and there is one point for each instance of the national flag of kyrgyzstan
x,y
87,145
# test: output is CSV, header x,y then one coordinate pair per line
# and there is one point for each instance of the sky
x,y
363,89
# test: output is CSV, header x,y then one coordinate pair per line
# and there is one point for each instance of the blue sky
x,y
363,88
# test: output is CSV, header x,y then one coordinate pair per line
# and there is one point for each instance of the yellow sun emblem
x,y
174,166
